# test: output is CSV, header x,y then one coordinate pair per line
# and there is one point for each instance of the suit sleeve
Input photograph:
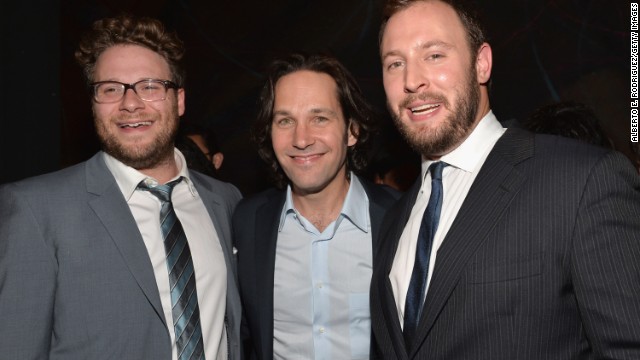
x,y
27,281
605,259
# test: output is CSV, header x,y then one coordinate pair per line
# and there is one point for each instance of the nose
x,y
302,137
415,78
131,101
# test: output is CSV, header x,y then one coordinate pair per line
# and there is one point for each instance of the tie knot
x,y
436,170
162,192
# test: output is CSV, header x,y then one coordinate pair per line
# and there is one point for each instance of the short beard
x,y
138,157
453,130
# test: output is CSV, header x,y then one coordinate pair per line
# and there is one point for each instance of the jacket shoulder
x,y
227,191
71,179
249,205
383,195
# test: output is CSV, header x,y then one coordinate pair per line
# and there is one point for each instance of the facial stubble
x,y
453,130
138,156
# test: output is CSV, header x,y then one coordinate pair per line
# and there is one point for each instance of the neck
x,y
162,172
483,110
323,207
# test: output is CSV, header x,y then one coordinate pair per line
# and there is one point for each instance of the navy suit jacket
x,y
541,262
76,281
255,226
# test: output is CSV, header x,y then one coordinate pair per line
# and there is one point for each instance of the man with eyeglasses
x,y
127,255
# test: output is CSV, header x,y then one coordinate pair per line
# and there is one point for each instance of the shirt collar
x,y
128,178
470,154
355,207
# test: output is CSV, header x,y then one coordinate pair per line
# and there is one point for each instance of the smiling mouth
x,y
135,125
424,109
304,158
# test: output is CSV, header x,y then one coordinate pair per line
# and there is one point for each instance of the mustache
x,y
424,96
134,116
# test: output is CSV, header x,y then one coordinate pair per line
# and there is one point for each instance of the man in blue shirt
x,y
305,250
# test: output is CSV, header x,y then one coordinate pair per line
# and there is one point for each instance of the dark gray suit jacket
x,y
76,281
255,226
541,262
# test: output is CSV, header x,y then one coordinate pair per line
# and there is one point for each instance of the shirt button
x,y
321,330
319,286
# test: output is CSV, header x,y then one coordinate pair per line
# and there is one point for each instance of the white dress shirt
x,y
464,164
206,252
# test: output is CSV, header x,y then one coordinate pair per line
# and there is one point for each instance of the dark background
x,y
544,50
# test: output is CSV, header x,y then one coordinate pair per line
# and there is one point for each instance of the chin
x,y
308,188
139,157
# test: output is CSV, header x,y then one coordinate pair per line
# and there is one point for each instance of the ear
x,y
217,160
484,62
180,95
352,133
378,180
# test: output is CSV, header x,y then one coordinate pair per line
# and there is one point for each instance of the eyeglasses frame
x,y
168,84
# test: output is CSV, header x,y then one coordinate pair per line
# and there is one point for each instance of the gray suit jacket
x,y
541,262
255,225
76,281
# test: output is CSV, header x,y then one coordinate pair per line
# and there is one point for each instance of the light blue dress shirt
x,y
321,283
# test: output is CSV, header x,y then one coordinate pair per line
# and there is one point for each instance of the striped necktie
x,y
182,277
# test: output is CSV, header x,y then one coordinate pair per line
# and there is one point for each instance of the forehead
x,y
305,87
129,63
422,22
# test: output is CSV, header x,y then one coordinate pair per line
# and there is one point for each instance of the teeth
x,y
427,107
136,125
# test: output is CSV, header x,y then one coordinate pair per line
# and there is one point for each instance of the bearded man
x,y
127,255
510,245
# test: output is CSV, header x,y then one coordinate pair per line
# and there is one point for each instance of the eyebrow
x,y
281,112
423,46
312,111
324,111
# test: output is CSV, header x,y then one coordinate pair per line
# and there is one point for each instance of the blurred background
x,y
544,51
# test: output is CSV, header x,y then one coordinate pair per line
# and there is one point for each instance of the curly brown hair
x,y
355,108
128,30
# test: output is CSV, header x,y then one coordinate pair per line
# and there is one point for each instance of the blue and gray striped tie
x,y
182,278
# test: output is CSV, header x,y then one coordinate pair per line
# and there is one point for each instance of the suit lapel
x,y
217,213
376,213
392,229
267,222
111,208
220,214
493,189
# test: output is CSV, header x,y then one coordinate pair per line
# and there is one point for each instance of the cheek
x,y
452,76
277,142
339,142
161,107
101,112
443,77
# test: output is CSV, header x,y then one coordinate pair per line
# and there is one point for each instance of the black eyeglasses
x,y
147,90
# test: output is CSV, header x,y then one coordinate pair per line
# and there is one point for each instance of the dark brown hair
x,y
127,30
467,12
569,119
357,112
